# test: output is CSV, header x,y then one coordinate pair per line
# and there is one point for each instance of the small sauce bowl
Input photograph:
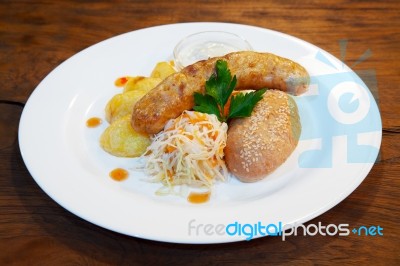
x,y
206,44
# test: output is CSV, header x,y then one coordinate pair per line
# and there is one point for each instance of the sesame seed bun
x,y
259,144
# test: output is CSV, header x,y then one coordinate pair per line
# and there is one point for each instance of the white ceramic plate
x,y
64,157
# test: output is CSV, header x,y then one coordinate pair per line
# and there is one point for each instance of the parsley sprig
x,y
219,90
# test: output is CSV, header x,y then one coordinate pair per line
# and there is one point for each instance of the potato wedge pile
x,y
119,138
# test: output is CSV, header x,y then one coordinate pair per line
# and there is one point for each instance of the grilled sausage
x,y
253,70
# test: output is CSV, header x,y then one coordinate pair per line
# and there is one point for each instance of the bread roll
x,y
259,144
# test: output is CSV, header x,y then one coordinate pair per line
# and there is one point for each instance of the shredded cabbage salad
x,y
189,151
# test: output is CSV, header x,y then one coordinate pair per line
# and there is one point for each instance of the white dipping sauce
x,y
203,45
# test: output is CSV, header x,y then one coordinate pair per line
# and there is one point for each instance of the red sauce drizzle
x,y
121,81
93,122
196,197
119,174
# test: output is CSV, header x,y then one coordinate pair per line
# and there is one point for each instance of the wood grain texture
x,y
36,36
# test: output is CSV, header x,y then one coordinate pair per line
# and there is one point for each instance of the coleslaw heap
x,y
189,151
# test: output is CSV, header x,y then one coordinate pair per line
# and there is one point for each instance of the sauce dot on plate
x,y
93,122
196,197
119,174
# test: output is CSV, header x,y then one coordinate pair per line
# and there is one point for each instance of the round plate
x,y
339,143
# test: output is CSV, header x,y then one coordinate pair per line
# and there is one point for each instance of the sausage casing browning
x,y
253,70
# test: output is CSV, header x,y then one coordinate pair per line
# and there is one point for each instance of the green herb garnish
x,y
219,89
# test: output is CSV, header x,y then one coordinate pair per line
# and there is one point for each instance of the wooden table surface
x,y
36,36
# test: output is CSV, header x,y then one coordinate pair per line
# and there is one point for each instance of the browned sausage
x,y
253,70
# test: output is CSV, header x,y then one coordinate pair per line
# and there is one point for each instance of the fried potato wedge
x,y
122,104
142,84
120,139
162,70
